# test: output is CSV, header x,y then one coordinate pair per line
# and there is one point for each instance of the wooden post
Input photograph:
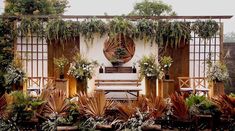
x,y
150,87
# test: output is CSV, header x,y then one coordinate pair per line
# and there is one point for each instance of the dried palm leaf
x,y
126,110
94,106
56,103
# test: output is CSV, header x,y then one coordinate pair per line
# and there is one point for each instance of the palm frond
x,y
56,103
94,106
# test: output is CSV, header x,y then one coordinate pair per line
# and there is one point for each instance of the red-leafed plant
x,y
179,107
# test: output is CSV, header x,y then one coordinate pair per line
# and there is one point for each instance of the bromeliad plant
x,y
81,68
149,67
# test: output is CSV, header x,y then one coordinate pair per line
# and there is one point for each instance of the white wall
x,y
94,51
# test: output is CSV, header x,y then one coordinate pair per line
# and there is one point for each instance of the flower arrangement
x,y
149,67
166,62
217,72
61,63
81,68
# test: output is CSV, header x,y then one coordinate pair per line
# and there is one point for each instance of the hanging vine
x,y
205,29
172,33
92,27
145,30
28,26
62,31
119,25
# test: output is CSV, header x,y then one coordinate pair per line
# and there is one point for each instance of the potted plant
x,y
151,70
82,69
119,53
61,63
217,73
166,62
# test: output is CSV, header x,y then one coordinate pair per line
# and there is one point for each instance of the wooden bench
x,y
129,86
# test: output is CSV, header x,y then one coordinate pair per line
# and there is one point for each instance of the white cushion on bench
x,y
117,76
118,88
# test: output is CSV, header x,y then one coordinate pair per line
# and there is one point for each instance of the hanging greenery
x,y
91,27
61,31
7,36
119,25
28,26
172,33
145,30
205,29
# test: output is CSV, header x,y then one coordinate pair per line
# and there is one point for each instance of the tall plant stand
x,y
150,87
216,88
81,86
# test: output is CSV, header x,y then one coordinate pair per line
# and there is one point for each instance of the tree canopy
x,y
152,8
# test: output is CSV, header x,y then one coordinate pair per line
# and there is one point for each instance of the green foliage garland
x,y
205,29
63,31
119,25
91,27
145,30
28,26
172,33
